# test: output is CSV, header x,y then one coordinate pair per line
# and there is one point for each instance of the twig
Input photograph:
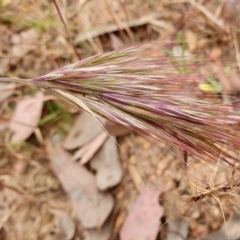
x,y
67,31
113,27
136,177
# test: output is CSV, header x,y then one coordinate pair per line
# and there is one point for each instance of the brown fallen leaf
x,y
90,206
143,221
25,117
87,152
85,128
107,165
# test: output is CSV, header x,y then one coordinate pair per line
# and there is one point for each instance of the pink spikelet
x,y
144,89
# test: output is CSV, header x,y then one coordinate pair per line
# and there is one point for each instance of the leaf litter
x,y
107,165
102,234
90,206
64,224
143,220
85,128
148,161
24,42
26,201
85,153
25,117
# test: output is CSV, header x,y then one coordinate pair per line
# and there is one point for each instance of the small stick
x,y
67,30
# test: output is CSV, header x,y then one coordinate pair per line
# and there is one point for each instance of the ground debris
x,y
90,206
63,226
177,230
107,165
143,221
26,116
33,203
85,128
231,230
24,42
86,153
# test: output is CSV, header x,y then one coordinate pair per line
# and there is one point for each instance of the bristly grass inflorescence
x,y
148,90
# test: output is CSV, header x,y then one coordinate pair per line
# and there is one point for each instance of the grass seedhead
x,y
142,88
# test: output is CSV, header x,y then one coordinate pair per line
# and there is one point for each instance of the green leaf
x,y
210,85
206,87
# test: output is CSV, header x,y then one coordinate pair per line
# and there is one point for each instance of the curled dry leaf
x,y
107,164
90,206
87,152
143,221
85,128
25,117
